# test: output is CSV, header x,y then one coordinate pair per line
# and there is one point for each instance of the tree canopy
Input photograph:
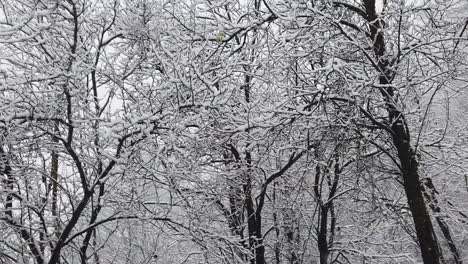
x,y
233,131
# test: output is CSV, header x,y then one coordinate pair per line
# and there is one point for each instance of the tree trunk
x,y
414,194
322,235
55,183
434,205
254,219
401,140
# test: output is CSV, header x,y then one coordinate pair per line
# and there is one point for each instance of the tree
x,y
63,142
232,132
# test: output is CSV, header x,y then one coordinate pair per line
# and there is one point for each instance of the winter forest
x,y
233,131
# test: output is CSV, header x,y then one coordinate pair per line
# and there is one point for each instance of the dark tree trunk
x,y
401,140
325,231
55,184
434,205
254,219
254,225
414,193
322,232
322,235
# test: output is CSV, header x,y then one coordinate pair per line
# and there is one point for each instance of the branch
x,y
8,211
110,219
461,34
351,7
276,175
